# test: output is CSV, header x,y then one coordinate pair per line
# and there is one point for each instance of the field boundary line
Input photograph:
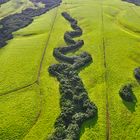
x,y
39,71
47,42
37,81
105,76
37,117
17,89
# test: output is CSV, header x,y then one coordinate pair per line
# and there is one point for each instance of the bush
x,y
68,38
79,118
126,93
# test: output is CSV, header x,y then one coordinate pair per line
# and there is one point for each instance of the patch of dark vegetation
x,y
3,1
126,93
129,99
137,73
15,22
75,105
136,2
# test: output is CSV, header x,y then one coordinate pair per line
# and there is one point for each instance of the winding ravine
x,y
75,105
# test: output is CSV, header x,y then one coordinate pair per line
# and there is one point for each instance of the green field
x,y
29,96
14,6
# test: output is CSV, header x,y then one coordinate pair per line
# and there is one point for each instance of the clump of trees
x,y
77,61
75,105
69,18
126,93
72,47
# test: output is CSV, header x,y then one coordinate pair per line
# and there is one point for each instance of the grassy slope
x,y
122,56
18,112
20,61
49,88
49,85
27,45
14,6
51,94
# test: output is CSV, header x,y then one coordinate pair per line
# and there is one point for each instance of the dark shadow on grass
x,y
131,105
88,124
138,81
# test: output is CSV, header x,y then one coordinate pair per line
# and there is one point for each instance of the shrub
x,y
126,93
72,132
79,118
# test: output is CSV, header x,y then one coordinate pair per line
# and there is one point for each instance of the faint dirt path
x,y
17,89
40,68
38,75
37,81
44,51
105,75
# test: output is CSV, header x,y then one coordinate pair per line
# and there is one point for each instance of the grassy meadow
x,y
111,31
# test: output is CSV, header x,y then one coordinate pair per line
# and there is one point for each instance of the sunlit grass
x,y
20,61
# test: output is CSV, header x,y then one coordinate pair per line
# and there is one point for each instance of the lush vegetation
x,y
75,104
16,21
111,34
126,93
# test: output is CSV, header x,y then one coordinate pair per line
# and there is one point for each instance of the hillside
x,y
69,70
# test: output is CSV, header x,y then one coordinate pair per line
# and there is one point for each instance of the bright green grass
x,y
50,87
18,112
122,56
20,59
23,55
125,19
